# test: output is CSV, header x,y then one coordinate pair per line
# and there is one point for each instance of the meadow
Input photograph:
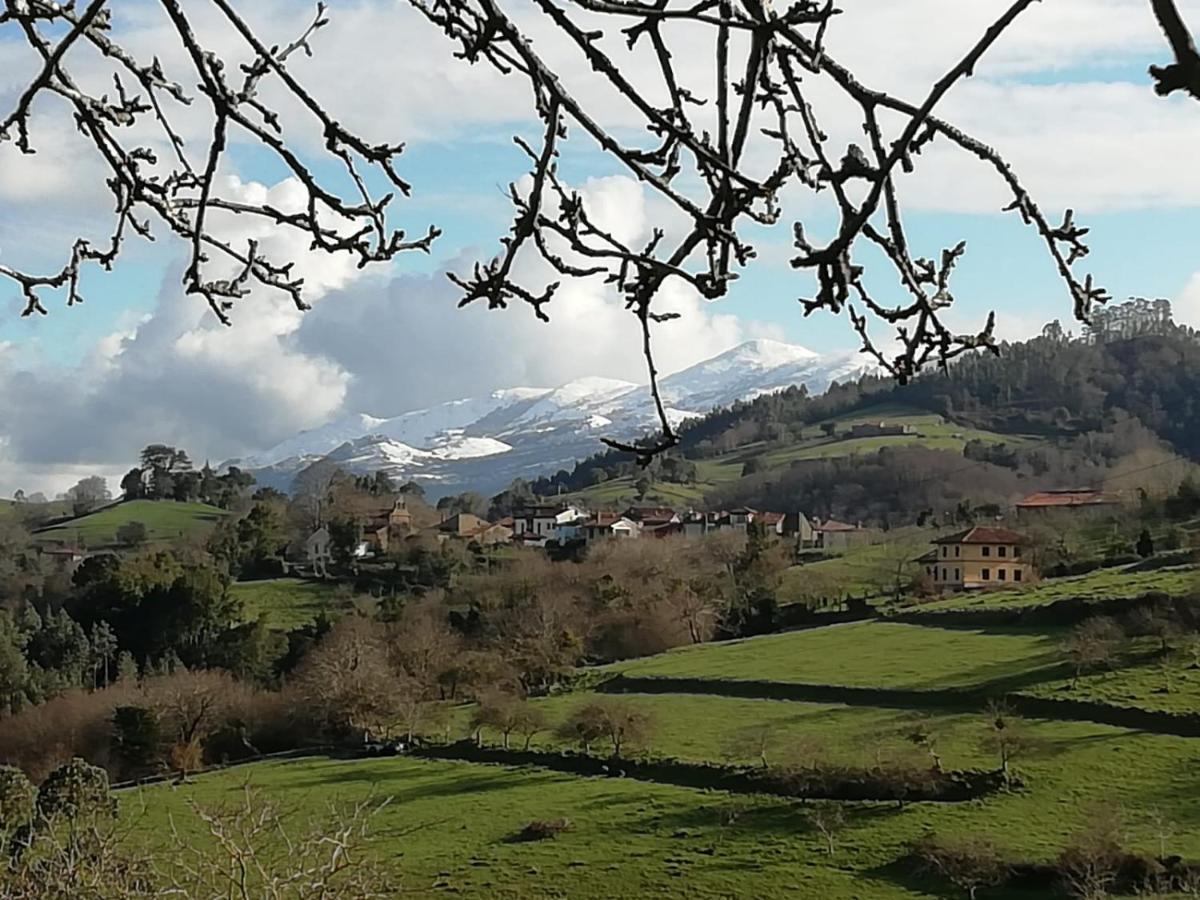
x,y
866,654
165,520
449,827
288,603
1104,584
929,430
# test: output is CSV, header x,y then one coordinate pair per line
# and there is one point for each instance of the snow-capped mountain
x,y
482,443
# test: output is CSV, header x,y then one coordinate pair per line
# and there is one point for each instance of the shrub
x,y
76,790
621,722
969,862
17,799
543,829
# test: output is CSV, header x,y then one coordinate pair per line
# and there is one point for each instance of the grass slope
x,y
713,729
287,602
866,571
165,520
931,430
1104,584
448,826
868,654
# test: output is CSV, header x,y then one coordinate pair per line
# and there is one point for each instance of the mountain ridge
x,y
483,443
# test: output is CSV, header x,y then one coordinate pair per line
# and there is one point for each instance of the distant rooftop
x,y
984,534
1066,498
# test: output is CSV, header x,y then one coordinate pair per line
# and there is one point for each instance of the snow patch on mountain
x,y
482,443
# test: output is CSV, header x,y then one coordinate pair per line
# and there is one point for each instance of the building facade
x,y
980,557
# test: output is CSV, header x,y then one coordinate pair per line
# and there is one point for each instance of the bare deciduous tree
x,y
620,721
969,862
1007,735
738,151
1091,644
828,819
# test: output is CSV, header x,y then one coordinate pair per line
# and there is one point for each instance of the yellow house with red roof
x,y
980,557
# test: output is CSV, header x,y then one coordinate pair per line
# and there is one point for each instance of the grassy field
x,y
1104,584
165,520
448,826
287,602
448,830
867,571
868,654
930,430
42,511
714,729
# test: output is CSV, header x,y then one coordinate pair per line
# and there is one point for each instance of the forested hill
x,y
1132,363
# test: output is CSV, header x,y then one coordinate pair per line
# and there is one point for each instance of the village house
x,y
771,522
695,524
489,534
979,557
460,525
388,529
878,429
317,552
834,535
610,525
62,560
1076,502
798,526
535,525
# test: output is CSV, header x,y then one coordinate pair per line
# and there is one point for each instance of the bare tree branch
x,y
1184,73
180,195
722,154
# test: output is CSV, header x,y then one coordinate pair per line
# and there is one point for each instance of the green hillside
x,y
1104,584
930,430
863,654
165,520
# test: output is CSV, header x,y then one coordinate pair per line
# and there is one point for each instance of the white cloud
x,y
382,346
178,375
406,344
1186,306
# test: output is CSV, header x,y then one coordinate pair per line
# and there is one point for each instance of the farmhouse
x,y
610,525
982,556
834,535
534,525
460,525
1077,502
877,429
316,550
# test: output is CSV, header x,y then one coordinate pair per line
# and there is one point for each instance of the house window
x,y
1003,551
945,551
1000,574
1016,574
956,575
1016,552
944,578
957,549
987,551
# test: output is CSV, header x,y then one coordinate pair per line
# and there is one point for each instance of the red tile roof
x,y
1060,499
770,518
984,534
832,525
603,519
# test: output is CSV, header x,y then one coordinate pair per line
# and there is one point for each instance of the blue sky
x,y
1067,100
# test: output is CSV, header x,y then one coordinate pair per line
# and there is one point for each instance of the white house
x,y
316,549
